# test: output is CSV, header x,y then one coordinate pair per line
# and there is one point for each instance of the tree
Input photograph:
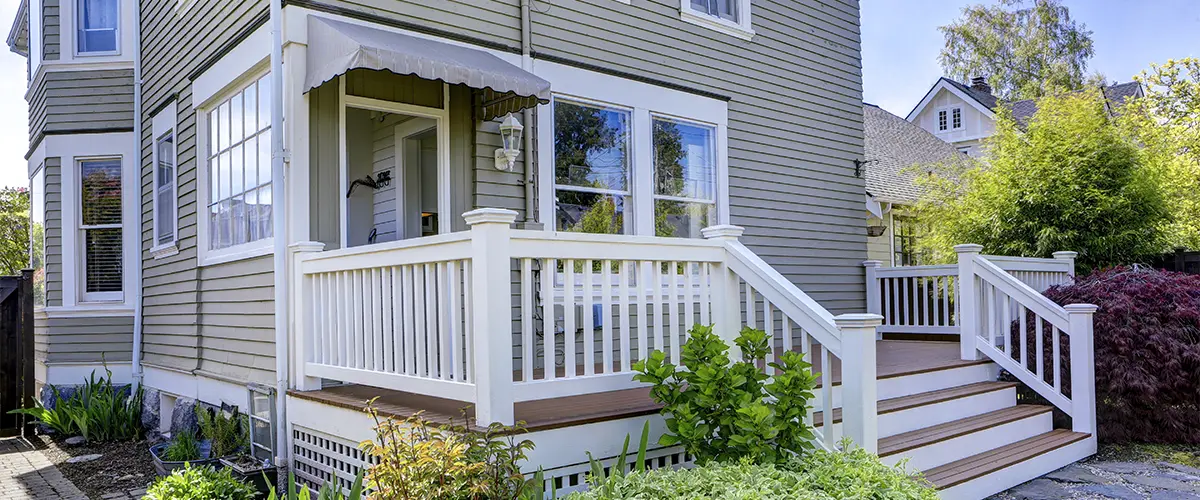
x,y
14,230
1025,52
1070,180
1167,124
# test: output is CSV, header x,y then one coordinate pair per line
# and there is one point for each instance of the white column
x,y
492,303
1069,260
873,304
1083,368
726,297
303,329
967,304
860,414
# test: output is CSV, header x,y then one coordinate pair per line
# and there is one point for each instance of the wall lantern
x,y
510,133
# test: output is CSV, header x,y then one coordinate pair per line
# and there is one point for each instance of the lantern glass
x,y
510,133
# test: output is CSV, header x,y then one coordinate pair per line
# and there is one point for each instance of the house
x,y
296,208
894,152
963,115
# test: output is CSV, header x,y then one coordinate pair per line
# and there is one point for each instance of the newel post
x,y
726,297
1083,368
873,298
303,330
967,304
492,314
1069,258
860,414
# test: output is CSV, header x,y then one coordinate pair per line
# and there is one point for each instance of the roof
x,y
892,145
18,35
1024,109
983,101
1115,94
984,98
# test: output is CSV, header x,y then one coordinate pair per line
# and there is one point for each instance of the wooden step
x,y
925,398
908,441
972,467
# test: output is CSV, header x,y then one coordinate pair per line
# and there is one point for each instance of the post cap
x,y
1065,255
1081,308
968,248
490,216
307,246
723,231
872,263
858,320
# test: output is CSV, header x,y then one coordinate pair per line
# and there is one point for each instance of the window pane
x,y
591,146
684,160
240,168
103,253
682,219
264,157
590,213
252,179
37,235
225,175
264,212
264,102
101,195
223,126
251,115
98,21
237,215
237,170
726,9
252,215
164,210
214,227
236,120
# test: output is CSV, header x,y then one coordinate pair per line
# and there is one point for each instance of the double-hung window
x,y
97,26
100,228
239,167
728,16
165,215
941,118
685,177
724,9
956,118
592,159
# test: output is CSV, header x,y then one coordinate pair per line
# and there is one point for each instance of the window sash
x,y
97,17
103,271
165,204
239,168
942,120
957,118
723,9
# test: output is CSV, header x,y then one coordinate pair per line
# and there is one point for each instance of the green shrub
x,y
200,483
185,447
819,475
98,411
725,411
229,433
57,418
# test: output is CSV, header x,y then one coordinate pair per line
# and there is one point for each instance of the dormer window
x,y
941,120
956,118
97,26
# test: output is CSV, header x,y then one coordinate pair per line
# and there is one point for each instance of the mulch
x,y
124,466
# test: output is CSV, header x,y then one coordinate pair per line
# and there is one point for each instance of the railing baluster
x,y
672,304
376,290
642,304
469,327
569,327
410,319
623,312
528,349
431,320
705,295
1021,311
751,302
689,296
769,323
935,317
827,399
657,307
1039,346
606,317
360,349
589,322
419,312
806,352
455,321
1057,353
549,363
1006,328
443,322
385,318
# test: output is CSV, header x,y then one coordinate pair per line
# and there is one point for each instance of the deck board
x,y
969,468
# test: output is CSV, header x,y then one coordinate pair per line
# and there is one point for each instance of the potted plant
x,y
259,473
183,449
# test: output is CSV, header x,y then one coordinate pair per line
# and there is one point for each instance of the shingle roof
x,y
1115,94
984,98
892,145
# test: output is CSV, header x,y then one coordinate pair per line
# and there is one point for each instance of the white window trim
x,y
84,295
164,123
741,29
78,25
961,118
937,123
645,100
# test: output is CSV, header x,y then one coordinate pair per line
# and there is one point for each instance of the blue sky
x,y
900,46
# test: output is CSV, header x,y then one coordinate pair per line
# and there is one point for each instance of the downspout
x,y
279,222
137,146
527,119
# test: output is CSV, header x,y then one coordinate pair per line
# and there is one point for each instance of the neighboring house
x,y
963,115
389,200
895,151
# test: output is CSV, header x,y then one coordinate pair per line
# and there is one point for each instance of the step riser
x,y
908,385
1006,478
920,417
950,450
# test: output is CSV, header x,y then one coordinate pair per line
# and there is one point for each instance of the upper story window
x,y
97,26
165,211
728,16
956,115
239,167
100,228
941,117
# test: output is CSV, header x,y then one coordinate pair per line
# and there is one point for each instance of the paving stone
x,y
84,458
1164,482
75,440
1182,469
1076,474
1173,495
1118,491
1039,489
1124,467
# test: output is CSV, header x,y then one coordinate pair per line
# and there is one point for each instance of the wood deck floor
x,y
895,358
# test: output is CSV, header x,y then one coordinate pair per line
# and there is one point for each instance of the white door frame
x,y
441,117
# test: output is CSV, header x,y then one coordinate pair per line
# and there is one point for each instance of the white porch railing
x,y
495,316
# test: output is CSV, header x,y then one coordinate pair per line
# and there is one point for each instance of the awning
x,y
335,47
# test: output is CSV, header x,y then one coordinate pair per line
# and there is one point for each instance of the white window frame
x,y
956,118
264,246
742,28
81,230
164,124
645,100
941,119
655,196
78,9
630,205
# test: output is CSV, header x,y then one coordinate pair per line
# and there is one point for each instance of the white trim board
x,y
198,387
942,84
78,373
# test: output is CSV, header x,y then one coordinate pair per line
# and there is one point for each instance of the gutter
x,y
527,119
137,146
279,222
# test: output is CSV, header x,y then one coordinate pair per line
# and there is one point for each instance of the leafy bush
x,y
414,460
720,410
200,483
185,447
229,433
854,474
327,492
98,411
1147,352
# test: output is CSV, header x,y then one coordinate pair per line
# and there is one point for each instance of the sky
x,y
900,43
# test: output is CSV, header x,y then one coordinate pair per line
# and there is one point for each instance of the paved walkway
x,y
1096,479
26,474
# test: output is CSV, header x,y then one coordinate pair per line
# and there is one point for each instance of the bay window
x,y
100,230
97,31
239,167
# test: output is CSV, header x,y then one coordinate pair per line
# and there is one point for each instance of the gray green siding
x,y
54,249
51,30
83,339
81,102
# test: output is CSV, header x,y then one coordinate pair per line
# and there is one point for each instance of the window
x,y
942,120
957,118
164,190
100,225
724,9
37,235
906,233
591,168
239,167
685,172
97,30
729,16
